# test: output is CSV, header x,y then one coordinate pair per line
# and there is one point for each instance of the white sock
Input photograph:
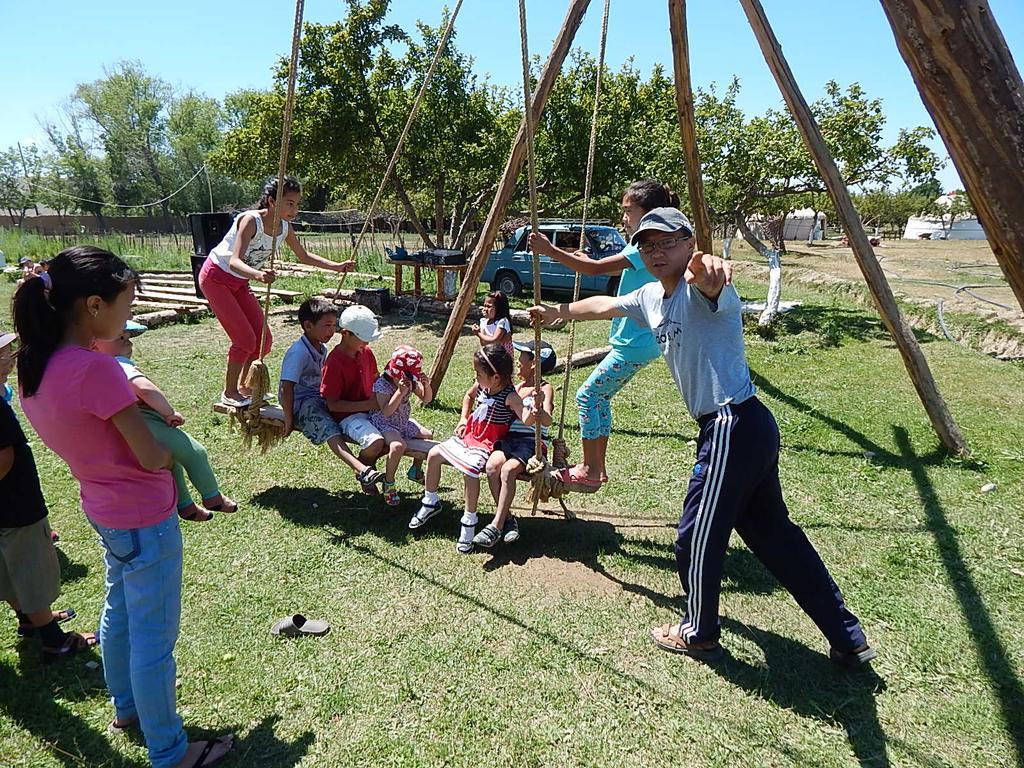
x,y
468,527
430,498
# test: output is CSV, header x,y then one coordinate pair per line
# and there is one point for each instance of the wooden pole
x,y
506,189
913,359
687,124
973,91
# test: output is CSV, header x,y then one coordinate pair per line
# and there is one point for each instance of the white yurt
x,y
936,228
801,223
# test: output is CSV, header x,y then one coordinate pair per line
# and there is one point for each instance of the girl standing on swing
x,y
239,258
632,344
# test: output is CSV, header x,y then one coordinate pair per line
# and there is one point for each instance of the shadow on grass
x,y
583,541
70,570
30,700
991,653
261,747
798,678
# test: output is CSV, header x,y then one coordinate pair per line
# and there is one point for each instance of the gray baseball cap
x,y
661,220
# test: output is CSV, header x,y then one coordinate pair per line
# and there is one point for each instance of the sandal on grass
x,y
203,760
416,475
668,638
120,726
368,479
854,659
65,614
297,625
488,537
73,643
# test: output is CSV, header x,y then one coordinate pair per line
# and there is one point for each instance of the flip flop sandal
x,y
61,616
853,659
667,640
202,762
573,476
228,506
127,724
73,643
294,626
193,517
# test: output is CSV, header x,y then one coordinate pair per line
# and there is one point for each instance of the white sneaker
x,y
424,513
242,402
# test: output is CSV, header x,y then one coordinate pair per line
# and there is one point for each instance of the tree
x,y
761,167
357,81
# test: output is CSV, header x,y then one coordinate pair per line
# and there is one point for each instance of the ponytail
x,y
291,184
650,194
44,306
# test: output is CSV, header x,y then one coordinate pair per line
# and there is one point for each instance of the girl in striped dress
x,y
488,410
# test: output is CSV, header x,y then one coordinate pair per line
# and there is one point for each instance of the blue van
x,y
510,269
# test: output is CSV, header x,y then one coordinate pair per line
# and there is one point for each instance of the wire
x,y
33,185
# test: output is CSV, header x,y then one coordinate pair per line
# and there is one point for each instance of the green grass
x,y
536,654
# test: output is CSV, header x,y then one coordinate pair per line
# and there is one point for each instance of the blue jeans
x,y
594,398
138,629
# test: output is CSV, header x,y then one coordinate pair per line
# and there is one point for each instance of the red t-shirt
x,y
349,378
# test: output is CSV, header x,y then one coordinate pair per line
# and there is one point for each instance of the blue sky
x,y
218,46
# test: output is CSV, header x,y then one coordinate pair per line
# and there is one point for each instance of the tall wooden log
x,y
913,359
506,188
971,87
687,124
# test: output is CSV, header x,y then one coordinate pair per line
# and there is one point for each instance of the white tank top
x,y
256,254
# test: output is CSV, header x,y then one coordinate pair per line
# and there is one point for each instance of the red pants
x,y
238,311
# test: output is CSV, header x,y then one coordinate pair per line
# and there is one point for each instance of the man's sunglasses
x,y
662,245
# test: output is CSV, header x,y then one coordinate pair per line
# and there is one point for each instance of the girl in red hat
x,y
401,379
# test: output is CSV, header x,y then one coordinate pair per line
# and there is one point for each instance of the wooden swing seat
x,y
416,449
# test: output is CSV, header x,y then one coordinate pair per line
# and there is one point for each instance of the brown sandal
x,y
73,643
667,638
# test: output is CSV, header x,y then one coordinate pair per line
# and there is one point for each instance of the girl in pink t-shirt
x,y
81,406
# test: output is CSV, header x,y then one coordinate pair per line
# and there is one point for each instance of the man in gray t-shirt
x,y
694,313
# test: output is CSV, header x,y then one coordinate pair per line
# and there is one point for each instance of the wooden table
x,y
440,269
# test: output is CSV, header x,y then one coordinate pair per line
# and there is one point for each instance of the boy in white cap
x,y
347,385
694,312
302,373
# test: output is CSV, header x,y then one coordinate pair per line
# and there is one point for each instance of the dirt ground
x,y
963,274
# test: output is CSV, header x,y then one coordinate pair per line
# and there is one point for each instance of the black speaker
x,y
208,229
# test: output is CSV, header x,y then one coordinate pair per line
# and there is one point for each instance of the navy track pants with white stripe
x,y
735,485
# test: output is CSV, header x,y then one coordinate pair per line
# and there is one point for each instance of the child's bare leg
x,y
434,463
243,375
340,448
493,469
396,450
417,464
233,377
472,493
510,472
372,452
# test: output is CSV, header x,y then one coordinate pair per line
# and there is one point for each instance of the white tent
x,y
937,228
800,225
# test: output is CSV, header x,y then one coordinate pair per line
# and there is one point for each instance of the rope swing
x,y
401,140
266,431
545,484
